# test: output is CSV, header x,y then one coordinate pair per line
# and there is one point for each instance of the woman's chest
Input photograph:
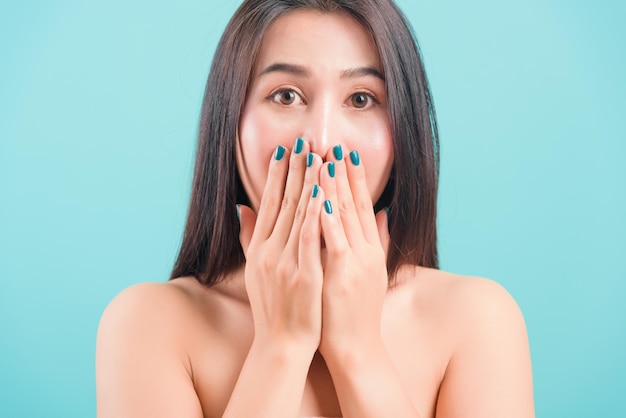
x,y
415,346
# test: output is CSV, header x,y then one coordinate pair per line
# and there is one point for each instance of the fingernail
x,y
331,169
338,152
388,211
354,157
238,212
328,207
280,151
316,190
299,145
309,159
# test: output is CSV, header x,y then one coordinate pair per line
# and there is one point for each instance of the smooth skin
x,y
309,326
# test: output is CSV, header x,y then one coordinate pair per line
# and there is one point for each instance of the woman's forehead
x,y
320,41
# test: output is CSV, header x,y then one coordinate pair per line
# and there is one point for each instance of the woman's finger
x,y
292,191
382,226
271,201
309,238
345,202
247,222
332,228
311,179
361,196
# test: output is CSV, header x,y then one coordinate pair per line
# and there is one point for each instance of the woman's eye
x,y
362,100
286,97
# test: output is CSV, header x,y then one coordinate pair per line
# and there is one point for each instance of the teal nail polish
x,y
354,157
387,210
309,159
299,145
328,207
316,190
280,151
331,169
338,152
238,212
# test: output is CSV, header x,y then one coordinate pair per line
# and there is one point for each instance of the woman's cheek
x,y
375,147
255,152
261,131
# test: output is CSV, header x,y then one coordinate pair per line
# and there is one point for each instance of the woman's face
x,y
317,76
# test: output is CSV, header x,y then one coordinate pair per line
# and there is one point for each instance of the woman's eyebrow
x,y
300,71
362,72
281,67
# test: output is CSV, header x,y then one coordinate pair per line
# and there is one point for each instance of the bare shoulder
x,y
489,371
467,300
139,329
166,304
482,299
146,300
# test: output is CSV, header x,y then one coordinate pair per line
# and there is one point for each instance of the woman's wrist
x,y
352,356
272,380
284,350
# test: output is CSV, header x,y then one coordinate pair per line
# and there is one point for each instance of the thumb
x,y
382,223
247,221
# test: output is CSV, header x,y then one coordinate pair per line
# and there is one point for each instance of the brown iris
x,y
287,97
359,100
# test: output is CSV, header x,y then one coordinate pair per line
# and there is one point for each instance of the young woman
x,y
308,283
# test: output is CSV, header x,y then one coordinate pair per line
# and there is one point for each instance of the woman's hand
x,y
355,285
355,270
283,273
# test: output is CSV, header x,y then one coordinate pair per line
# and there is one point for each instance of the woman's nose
x,y
322,127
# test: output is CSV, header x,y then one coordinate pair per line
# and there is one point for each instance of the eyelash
x,y
274,97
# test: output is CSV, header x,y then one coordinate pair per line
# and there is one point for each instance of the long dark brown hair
x,y
210,248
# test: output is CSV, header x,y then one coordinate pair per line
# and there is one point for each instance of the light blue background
x,y
99,102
